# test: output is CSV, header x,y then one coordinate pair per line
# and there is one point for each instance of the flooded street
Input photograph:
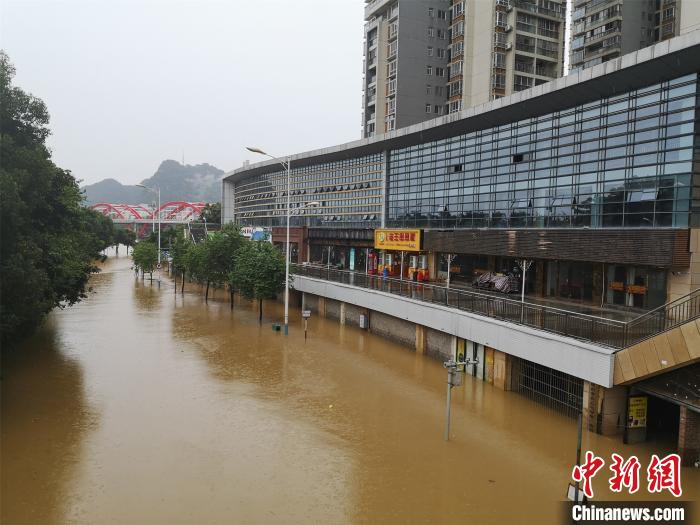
x,y
142,406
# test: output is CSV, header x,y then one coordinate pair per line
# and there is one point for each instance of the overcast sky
x,y
130,83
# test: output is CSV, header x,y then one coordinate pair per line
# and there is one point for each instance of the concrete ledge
x,y
584,360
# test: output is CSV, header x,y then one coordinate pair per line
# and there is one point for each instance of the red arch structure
x,y
186,210
169,211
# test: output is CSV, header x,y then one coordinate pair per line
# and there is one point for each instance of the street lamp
x,y
153,218
286,164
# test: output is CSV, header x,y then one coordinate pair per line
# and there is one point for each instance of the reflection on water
x,y
45,418
199,414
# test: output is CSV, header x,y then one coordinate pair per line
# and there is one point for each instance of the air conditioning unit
x,y
508,28
509,46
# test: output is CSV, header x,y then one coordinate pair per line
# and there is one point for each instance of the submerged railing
x,y
591,328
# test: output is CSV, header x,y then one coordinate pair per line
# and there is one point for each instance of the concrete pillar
x,y
604,408
540,282
502,370
342,313
689,437
598,285
488,364
421,339
321,306
683,281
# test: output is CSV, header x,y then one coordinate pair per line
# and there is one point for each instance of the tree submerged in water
x,y
49,243
258,271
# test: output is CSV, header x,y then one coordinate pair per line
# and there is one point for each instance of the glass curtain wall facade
x,y
622,161
348,193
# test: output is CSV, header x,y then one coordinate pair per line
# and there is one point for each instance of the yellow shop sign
x,y
400,240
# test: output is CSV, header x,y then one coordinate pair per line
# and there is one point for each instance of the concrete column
x,y
502,370
604,408
421,339
342,313
321,306
683,281
488,364
689,437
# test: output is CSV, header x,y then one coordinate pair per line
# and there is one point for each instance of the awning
x,y
681,386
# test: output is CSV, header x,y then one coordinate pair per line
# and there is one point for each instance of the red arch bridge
x,y
142,217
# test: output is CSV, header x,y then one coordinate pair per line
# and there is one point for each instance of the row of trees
x,y
225,259
49,242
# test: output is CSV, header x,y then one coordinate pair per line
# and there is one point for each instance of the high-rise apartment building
x,y
405,67
424,59
606,29
498,47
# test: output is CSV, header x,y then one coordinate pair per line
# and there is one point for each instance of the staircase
x,y
661,340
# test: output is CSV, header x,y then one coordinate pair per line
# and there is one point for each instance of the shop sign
x,y
637,289
400,240
618,286
637,412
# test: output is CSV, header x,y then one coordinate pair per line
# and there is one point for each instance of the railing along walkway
x,y
599,330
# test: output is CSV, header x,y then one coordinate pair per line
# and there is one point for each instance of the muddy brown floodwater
x,y
142,406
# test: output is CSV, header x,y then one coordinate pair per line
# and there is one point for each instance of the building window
x,y
428,89
428,108
442,34
429,70
440,53
442,15
430,51
431,32
431,12
439,90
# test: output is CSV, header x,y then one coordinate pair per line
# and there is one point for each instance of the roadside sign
x,y
306,314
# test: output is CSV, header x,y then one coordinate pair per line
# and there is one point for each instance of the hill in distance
x,y
201,182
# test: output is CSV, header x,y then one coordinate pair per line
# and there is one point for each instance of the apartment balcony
x,y
547,52
617,13
534,8
608,46
600,36
521,46
524,67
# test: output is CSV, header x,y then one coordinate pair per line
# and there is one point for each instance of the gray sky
x,y
131,83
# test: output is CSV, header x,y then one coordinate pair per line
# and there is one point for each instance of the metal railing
x,y
591,328
663,318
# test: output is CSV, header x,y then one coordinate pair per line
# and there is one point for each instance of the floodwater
x,y
143,406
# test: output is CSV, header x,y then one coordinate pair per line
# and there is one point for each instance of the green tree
x,y
220,250
258,272
124,236
178,252
145,257
211,213
48,243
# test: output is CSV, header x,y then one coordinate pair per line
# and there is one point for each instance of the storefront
x,y
636,286
298,242
342,249
400,254
572,281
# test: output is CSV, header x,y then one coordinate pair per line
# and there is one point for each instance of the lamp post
x,y
158,211
286,165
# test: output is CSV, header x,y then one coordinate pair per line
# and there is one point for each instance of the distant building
x,y
606,29
498,47
405,67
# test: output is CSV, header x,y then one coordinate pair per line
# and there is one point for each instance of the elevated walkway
x,y
586,346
